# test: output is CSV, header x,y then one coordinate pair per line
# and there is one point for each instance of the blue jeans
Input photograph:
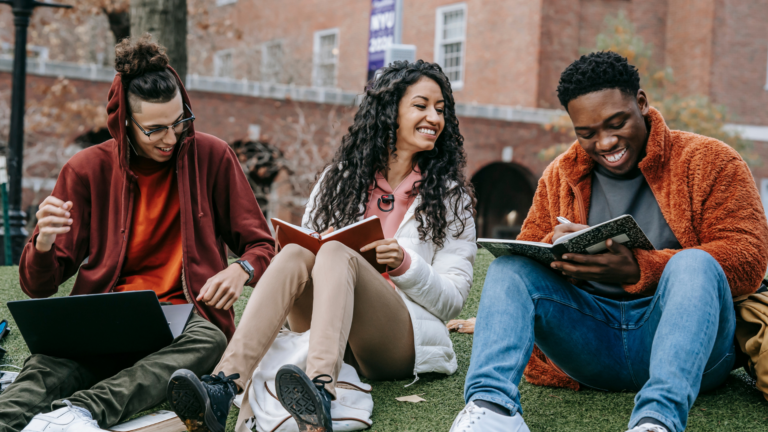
x,y
667,347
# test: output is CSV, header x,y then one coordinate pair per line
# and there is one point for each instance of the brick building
x,y
256,67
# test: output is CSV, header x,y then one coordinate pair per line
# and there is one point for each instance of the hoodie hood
x,y
117,123
117,112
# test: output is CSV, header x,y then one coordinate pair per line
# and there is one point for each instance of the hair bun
x,y
136,57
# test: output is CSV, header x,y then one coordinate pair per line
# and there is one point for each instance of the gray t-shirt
x,y
613,196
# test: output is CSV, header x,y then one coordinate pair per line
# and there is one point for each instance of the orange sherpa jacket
x,y
706,194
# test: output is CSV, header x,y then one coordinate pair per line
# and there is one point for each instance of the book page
x,y
349,227
623,229
541,252
567,237
531,243
306,231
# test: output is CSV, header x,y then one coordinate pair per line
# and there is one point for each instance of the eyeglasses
x,y
179,127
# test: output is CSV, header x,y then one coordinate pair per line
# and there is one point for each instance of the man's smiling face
x,y
610,126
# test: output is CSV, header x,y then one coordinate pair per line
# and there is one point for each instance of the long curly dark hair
x,y
365,150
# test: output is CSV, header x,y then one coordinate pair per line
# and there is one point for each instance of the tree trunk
x,y
119,23
166,21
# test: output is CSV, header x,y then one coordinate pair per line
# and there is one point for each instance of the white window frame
x,y
316,57
225,2
766,77
217,63
439,41
265,58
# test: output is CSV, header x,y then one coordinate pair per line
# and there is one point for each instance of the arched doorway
x,y
504,194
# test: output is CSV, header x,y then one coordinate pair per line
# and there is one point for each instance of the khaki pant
x,y
342,298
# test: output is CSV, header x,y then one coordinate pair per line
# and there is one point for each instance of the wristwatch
x,y
248,268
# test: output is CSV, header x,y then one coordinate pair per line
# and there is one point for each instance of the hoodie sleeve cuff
x,y
41,260
404,266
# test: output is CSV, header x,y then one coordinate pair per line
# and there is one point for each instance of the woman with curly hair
x,y
403,161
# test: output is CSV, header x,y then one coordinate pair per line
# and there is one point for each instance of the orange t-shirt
x,y
153,257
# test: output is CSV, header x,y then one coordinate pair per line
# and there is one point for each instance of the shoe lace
x,y
217,383
468,416
321,380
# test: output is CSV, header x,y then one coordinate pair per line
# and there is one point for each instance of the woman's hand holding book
x,y
388,252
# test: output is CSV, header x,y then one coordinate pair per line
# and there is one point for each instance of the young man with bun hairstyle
x,y
152,209
659,322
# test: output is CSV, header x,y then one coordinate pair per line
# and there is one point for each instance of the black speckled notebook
x,y
622,229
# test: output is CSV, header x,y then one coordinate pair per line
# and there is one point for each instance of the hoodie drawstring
x,y
197,180
122,204
123,213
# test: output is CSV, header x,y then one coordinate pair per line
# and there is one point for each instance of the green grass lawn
x,y
736,406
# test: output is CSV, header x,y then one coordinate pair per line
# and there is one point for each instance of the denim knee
x,y
513,264
510,267
693,260
698,271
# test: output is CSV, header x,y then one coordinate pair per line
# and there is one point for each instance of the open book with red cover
x,y
353,236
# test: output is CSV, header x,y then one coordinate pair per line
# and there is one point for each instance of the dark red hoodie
x,y
217,208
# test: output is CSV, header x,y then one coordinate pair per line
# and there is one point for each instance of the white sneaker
x,y
6,379
648,427
67,419
476,419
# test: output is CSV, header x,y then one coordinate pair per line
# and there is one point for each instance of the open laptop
x,y
127,324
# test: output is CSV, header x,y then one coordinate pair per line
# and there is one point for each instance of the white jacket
x,y
434,288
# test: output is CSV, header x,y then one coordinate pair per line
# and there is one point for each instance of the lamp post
x,y
22,10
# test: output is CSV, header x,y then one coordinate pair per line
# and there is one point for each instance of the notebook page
x,y
577,233
532,243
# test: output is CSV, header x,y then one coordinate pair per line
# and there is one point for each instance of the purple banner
x,y
382,34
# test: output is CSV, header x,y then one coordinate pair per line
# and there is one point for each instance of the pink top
x,y
390,221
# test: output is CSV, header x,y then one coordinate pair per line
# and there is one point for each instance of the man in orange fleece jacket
x,y
657,322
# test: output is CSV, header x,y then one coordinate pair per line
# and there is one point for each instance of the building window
x,y
766,78
450,42
225,2
222,64
326,58
272,61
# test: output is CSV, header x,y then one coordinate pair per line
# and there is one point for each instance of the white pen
x,y
563,220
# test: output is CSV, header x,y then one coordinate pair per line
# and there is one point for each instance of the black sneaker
x,y
203,405
307,400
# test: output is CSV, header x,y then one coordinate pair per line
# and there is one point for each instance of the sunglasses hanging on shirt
x,y
388,200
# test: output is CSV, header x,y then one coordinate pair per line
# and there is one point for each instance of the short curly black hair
x,y
597,71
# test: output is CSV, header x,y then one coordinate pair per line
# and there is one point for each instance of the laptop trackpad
x,y
177,317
